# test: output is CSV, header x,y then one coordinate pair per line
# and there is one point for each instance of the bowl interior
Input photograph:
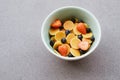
x,y
67,12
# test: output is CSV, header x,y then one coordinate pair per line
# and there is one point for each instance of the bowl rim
x,y
72,58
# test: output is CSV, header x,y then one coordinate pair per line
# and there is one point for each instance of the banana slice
x,y
68,47
75,31
68,25
74,43
83,39
75,52
86,25
87,35
72,31
59,35
69,37
57,43
53,31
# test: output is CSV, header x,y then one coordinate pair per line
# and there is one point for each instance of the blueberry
x,y
82,52
88,30
73,19
63,40
67,32
92,38
70,55
52,42
80,21
80,37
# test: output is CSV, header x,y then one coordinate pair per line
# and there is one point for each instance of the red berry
x,y
84,45
63,50
56,24
81,28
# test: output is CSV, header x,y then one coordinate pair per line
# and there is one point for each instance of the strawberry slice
x,y
81,28
56,24
63,50
84,45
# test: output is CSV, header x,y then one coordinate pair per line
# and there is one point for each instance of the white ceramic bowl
x,y
66,12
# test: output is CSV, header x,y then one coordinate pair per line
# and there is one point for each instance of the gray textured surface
x,y
24,57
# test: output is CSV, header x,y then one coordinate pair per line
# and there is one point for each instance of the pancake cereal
x,y
72,38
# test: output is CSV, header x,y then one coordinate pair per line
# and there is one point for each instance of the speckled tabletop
x,y
24,57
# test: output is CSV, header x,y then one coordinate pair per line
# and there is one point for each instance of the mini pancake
x,y
59,35
74,43
87,35
53,38
57,43
76,37
53,31
75,52
75,31
68,25
72,31
63,30
69,37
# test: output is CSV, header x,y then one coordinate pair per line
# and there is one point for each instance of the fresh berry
x,y
80,37
63,50
63,40
52,42
56,24
70,55
81,28
92,38
84,45
67,32
88,30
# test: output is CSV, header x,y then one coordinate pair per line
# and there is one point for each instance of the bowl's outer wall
x,y
66,13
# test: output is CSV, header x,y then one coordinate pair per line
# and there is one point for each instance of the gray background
x,y
24,57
